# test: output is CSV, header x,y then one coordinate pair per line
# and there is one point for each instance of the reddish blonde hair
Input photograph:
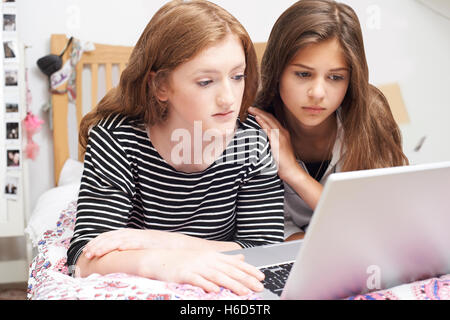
x,y
175,34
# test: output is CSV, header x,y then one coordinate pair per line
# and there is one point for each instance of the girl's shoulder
x,y
251,134
251,128
115,122
250,124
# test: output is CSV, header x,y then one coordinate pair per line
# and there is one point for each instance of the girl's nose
x,y
225,98
317,90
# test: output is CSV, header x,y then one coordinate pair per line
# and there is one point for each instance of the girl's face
x,y
314,83
208,88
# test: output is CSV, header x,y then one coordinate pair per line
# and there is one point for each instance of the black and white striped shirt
x,y
127,184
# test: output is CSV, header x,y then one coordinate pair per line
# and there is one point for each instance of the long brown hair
x,y
372,139
175,34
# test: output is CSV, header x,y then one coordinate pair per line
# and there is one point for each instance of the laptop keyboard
x,y
276,277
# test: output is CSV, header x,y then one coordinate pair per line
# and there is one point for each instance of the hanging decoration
x,y
58,74
32,125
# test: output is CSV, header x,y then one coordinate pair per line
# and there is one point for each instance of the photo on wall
x,y
13,159
11,77
11,187
9,3
11,108
9,22
12,131
10,50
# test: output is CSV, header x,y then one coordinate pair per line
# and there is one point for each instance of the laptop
x,y
371,230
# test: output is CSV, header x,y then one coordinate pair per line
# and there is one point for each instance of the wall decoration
x,y
11,187
13,158
12,131
11,109
10,112
11,77
10,50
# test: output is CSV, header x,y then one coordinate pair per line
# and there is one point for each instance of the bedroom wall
x,y
405,43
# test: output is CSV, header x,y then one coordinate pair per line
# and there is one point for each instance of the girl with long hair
x,y
317,106
175,172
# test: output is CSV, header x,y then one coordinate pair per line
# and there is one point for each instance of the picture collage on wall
x,y
10,101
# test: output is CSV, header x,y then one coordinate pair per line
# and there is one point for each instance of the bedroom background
x,y
407,43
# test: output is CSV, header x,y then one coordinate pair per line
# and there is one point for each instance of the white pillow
x,y
48,209
51,203
71,172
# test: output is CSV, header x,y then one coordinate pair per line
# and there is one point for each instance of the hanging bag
x,y
52,62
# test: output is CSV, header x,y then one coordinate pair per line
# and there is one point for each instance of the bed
x,y
51,225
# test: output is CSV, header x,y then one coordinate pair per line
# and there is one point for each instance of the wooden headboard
x,y
106,56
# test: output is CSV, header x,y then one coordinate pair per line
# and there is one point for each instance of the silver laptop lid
x,y
375,229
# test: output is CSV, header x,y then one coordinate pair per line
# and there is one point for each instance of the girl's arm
x,y
304,185
104,205
106,190
206,269
260,199
135,239
289,170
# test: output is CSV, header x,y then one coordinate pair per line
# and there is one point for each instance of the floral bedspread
x,y
49,278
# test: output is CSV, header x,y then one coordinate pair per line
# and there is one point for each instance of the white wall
x,y
409,44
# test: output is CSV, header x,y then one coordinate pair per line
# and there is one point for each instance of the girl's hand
x,y
208,270
296,236
280,142
288,168
129,239
138,239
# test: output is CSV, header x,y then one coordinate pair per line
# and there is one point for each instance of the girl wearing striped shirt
x,y
175,172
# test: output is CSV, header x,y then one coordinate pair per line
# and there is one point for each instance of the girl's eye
x,y
303,74
239,77
204,83
336,78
